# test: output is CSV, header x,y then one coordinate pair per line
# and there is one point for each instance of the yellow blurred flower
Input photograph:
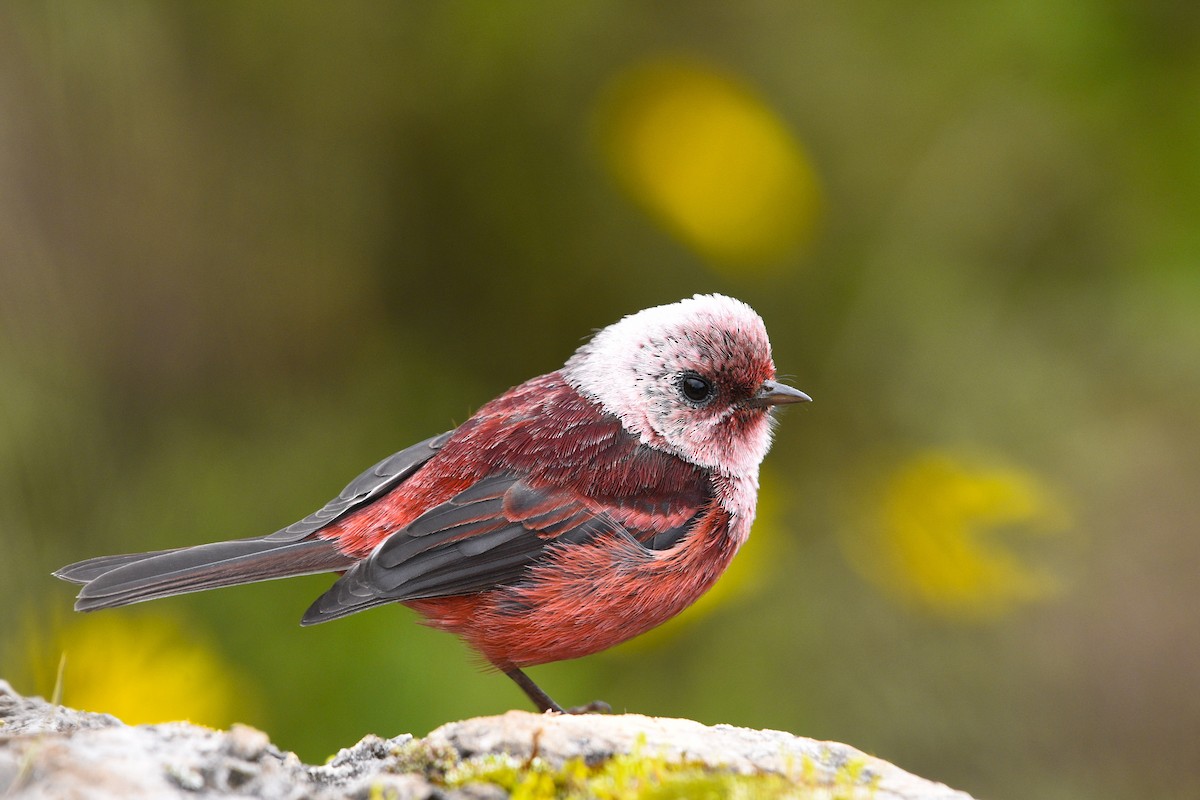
x,y
939,535
142,669
710,161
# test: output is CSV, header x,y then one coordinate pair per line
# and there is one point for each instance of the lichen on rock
x,y
48,751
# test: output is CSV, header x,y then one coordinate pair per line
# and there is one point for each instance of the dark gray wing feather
x,y
368,486
487,536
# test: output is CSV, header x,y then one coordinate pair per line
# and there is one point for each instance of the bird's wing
x,y
486,536
119,580
369,486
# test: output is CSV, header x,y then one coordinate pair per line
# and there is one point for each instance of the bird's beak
x,y
772,393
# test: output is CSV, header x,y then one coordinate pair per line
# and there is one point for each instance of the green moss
x,y
651,778
416,755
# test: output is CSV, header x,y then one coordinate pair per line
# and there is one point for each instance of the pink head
x,y
694,378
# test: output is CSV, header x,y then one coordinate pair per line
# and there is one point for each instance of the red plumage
x,y
579,601
573,512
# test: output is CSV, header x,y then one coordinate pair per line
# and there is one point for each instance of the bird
x,y
573,512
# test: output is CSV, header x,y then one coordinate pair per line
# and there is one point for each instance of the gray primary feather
x,y
368,486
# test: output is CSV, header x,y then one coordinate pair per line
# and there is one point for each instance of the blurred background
x,y
246,250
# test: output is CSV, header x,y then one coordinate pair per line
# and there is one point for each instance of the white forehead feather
x,y
619,341
641,346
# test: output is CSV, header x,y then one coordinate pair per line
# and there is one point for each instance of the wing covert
x,y
486,536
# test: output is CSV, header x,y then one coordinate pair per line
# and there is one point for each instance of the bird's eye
x,y
695,389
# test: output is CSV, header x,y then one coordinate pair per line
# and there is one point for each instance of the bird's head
x,y
694,378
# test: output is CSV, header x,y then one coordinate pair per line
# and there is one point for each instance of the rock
x,y
48,751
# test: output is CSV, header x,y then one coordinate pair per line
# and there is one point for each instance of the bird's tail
x,y
110,581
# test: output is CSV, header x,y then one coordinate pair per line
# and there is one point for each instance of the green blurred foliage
x,y
247,249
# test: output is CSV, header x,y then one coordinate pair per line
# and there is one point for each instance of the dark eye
x,y
695,389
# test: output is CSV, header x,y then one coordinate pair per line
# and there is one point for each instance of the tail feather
x,y
86,571
112,581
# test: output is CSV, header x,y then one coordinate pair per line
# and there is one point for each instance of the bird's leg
x,y
540,699
545,703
